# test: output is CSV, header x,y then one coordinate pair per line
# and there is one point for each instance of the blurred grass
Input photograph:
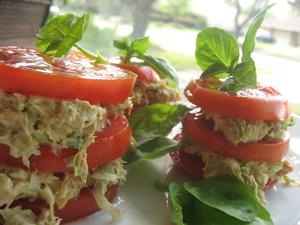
x,y
179,61
295,108
287,52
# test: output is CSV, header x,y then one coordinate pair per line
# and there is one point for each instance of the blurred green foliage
x,y
295,108
99,38
178,8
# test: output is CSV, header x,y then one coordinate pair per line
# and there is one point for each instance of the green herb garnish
x,y
215,201
150,125
62,33
138,48
217,54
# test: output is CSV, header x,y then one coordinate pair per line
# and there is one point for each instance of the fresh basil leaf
x,y
140,45
60,34
152,149
210,216
162,67
227,195
214,70
183,205
155,120
245,74
231,85
249,42
122,44
216,46
206,215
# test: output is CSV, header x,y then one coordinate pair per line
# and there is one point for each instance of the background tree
x,y
141,17
243,17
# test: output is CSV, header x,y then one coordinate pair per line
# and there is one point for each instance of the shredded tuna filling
x,y
243,131
255,174
17,183
155,92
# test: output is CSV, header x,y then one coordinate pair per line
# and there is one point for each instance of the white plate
x,y
143,205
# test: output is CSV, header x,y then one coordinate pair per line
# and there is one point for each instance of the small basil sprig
x,y
63,32
138,48
217,54
216,201
134,48
150,126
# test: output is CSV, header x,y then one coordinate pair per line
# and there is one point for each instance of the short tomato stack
x,y
242,134
62,133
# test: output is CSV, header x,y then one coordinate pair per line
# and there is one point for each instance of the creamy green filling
x,y
243,131
155,92
17,183
255,174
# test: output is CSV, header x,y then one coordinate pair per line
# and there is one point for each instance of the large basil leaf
x,y
216,201
216,46
155,120
227,195
183,205
249,42
60,34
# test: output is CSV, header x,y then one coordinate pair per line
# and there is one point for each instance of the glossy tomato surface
x,y
111,143
264,103
201,131
145,74
26,71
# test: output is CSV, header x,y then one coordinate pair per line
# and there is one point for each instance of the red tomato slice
x,y
26,71
263,151
110,144
82,206
189,164
145,74
265,104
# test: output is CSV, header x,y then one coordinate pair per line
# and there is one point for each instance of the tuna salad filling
x,y
155,92
255,174
243,131
54,190
26,122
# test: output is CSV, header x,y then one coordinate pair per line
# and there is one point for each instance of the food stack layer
x,y
62,133
242,134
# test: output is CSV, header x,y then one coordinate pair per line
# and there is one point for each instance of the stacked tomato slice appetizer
x,y
60,142
242,134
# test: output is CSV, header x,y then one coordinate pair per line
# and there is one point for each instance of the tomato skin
x,y
270,184
271,108
83,206
262,151
25,71
79,207
145,74
110,144
189,164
